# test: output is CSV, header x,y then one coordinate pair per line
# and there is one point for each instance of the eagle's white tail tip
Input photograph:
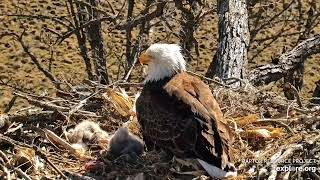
x,y
216,172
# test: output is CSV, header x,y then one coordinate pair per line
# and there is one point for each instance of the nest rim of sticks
x,y
266,127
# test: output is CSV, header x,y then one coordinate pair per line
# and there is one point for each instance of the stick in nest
x,y
278,157
37,151
296,93
81,104
22,174
208,79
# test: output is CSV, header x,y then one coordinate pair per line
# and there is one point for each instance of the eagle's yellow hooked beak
x,y
144,59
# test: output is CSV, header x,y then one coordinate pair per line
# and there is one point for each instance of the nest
x,y
274,138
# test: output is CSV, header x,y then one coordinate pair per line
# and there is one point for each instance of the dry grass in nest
x,y
265,126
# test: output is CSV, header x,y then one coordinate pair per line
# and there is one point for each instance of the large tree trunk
x,y
231,57
97,45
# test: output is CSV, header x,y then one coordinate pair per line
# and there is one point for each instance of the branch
x,y
30,117
208,79
33,58
70,32
42,104
51,106
60,20
135,58
288,61
296,94
38,151
147,17
81,104
81,38
22,174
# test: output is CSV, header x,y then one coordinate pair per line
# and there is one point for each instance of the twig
x,y
81,104
81,39
208,79
42,116
10,104
55,139
307,111
33,58
37,151
6,171
288,109
234,80
47,105
44,156
315,176
120,83
147,17
51,106
296,93
4,157
92,7
22,174
275,159
255,31
135,59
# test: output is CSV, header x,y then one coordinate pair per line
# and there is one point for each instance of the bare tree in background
x,y
81,38
294,77
85,18
189,24
97,44
88,12
231,57
129,33
133,48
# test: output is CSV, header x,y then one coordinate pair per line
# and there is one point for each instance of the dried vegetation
x,y
270,131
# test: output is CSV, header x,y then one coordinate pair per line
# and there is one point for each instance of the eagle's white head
x,y
163,60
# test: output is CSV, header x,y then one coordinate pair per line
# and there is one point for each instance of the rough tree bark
x,y
287,62
95,38
231,57
294,76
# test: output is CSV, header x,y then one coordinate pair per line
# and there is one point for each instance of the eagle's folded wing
x,y
192,91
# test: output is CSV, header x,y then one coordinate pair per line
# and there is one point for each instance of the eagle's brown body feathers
x,y
180,115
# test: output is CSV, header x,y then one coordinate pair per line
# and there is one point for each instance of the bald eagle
x,y
178,113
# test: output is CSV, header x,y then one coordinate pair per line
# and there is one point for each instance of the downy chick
x,y
88,132
123,142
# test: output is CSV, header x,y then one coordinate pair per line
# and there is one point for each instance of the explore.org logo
x,y
300,168
288,165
